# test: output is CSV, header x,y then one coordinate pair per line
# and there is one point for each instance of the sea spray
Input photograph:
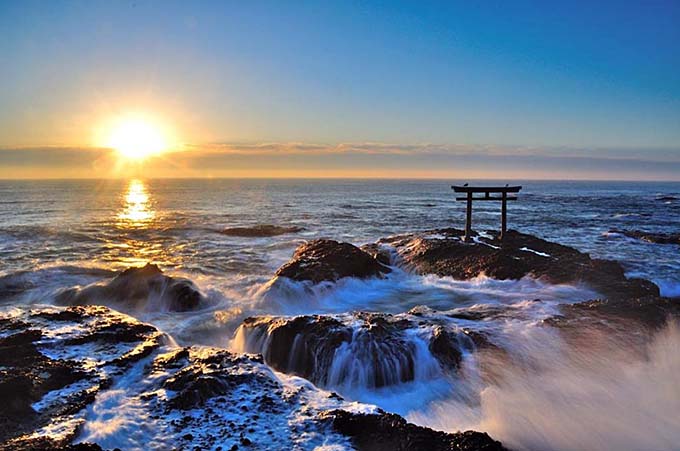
x,y
611,396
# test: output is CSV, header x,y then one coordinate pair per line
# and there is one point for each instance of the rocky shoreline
x,y
58,363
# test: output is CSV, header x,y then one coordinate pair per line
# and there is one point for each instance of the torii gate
x,y
487,190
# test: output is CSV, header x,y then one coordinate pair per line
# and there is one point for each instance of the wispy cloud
x,y
363,159
379,148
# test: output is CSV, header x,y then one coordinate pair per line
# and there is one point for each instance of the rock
x,y
650,311
260,230
447,347
650,237
327,260
137,288
443,252
39,358
204,377
328,349
56,361
389,432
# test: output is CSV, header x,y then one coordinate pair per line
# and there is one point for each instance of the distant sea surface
x,y
178,223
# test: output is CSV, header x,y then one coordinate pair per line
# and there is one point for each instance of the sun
x,y
137,138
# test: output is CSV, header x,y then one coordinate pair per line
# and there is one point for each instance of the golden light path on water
x,y
137,211
136,217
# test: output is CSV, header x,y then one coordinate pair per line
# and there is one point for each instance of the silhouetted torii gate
x,y
487,190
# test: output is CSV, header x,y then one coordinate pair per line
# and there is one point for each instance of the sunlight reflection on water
x,y
137,211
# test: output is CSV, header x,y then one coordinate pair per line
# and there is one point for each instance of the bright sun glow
x,y
137,138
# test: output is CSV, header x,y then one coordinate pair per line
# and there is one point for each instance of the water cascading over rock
x,y
360,350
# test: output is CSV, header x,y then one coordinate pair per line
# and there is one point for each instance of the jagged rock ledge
x,y
58,361
54,362
444,253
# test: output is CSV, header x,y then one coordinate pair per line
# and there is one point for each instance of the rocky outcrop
x,y
55,362
327,260
77,352
444,253
652,312
388,432
650,237
260,231
367,350
143,287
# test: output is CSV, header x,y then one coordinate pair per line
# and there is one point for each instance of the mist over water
x,y
538,388
611,397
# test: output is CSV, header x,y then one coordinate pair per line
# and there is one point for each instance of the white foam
x,y
565,399
542,254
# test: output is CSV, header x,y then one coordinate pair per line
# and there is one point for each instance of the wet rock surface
x,y
444,253
65,370
261,230
650,237
388,432
652,312
143,287
369,350
53,362
328,260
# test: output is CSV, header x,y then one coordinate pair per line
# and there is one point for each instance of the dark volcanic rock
x,y
56,361
328,260
327,349
651,311
518,255
260,230
38,359
204,376
650,237
389,432
135,288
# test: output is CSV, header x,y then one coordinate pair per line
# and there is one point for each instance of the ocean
x,y
56,235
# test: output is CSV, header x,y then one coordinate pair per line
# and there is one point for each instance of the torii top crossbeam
x,y
487,190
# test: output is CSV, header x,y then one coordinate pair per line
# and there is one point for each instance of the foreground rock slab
x,y
388,432
54,362
67,371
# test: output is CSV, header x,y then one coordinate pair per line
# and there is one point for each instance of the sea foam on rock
x,y
444,253
78,375
360,350
145,288
53,362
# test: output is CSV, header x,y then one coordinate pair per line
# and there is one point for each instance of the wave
x,y
400,291
669,288
610,395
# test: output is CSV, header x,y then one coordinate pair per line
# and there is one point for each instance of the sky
x,y
570,90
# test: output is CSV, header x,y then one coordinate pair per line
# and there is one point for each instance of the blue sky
x,y
576,75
